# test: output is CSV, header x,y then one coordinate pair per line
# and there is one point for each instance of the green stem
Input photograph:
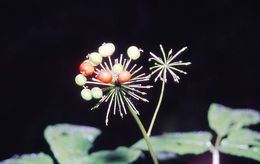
x,y
157,107
146,138
217,143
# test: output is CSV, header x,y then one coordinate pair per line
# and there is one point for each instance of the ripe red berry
x,y
105,76
124,76
86,68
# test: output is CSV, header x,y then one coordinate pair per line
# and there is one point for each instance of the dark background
x,y
43,43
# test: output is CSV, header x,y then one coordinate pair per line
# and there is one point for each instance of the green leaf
x,y
223,119
164,156
243,142
122,155
40,158
70,143
179,143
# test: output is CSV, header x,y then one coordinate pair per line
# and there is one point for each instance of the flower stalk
x,y
157,108
162,66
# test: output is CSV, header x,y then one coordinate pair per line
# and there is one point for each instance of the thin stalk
x,y
146,138
158,106
215,156
215,152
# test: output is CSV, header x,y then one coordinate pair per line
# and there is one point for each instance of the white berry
x,y
95,58
117,68
107,49
86,94
133,52
80,80
96,92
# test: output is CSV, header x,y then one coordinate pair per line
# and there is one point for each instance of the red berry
x,y
105,76
86,68
124,76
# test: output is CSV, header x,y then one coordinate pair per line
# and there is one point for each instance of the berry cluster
x,y
115,79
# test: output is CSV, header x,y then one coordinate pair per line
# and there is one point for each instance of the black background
x,y
43,43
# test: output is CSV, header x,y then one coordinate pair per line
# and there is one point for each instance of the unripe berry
x,y
117,68
86,94
133,52
80,80
96,92
95,58
106,49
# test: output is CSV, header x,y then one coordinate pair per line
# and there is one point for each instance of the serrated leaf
x,y
179,143
40,158
243,142
122,155
70,143
223,119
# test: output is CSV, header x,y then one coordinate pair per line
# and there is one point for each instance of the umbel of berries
x,y
112,81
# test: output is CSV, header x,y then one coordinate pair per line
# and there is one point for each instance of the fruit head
x,y
96,93
106,49
86,94
95,58
86,68
80,80
104,76
124,76
133,52
117,68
